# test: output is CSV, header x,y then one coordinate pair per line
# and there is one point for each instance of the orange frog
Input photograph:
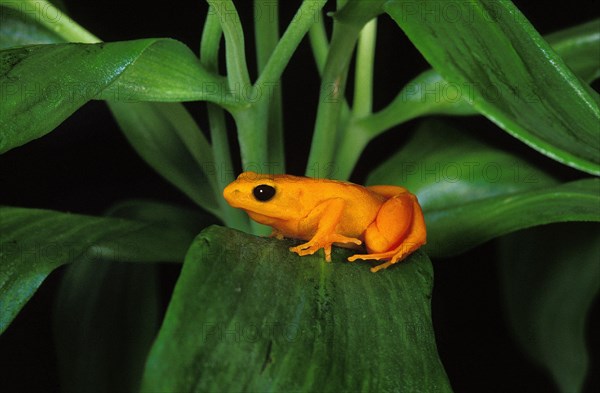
x,y
387,219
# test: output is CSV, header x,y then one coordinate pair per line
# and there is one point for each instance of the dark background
x,y
86,165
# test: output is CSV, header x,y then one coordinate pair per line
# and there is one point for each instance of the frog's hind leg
x,y
398,230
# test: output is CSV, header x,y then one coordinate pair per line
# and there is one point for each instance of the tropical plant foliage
x,y
246,314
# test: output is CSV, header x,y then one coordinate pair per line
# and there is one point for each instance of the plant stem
x,y
331,99
305,17
252,138
224,173
319,43
362,104
266,27
348,23
350,148
237,69
268,84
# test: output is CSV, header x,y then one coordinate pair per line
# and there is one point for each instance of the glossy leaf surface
x,y
510,73
42,85
249,315
35,242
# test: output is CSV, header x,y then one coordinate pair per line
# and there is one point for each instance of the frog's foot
x,y
391,257
315,244
383,256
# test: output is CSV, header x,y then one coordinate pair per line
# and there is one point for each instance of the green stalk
x,y
320,48
331,101
319,43
54,19
304,19
266,31
252,138
224,173
348,23
269,81
237,69
353,138
362,104
350,148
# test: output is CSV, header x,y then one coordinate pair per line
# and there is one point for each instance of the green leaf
x,y
429,93
522,84
550,280
456,229
105,318
472,192
50,17
249,315
20,29
170,141
35,242
117,309
42,85
426,94
167,71
579,46
447,167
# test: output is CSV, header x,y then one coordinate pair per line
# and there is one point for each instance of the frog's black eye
x,y
263,193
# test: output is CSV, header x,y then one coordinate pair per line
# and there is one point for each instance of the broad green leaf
x,y
429,93
579,46
455,229
167,72
249,315
447,167
164,135
105,318
107,313
50,17
515,77
42,85
35,242
550,277
472,192
18,29
169,140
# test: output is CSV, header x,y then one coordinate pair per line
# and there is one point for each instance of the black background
x,y
86,165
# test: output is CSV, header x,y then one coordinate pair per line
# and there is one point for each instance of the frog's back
x,y
361,204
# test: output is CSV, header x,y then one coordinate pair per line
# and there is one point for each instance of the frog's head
x,y
267,198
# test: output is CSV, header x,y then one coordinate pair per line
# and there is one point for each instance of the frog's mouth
x,y
261,218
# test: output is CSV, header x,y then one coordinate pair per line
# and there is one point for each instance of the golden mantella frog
x,y
386,219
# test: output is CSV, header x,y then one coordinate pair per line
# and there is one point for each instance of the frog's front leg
x,y
326,217
398,230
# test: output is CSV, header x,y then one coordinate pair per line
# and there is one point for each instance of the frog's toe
x,y
384,265
301,250
305,249
337,238
310,248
